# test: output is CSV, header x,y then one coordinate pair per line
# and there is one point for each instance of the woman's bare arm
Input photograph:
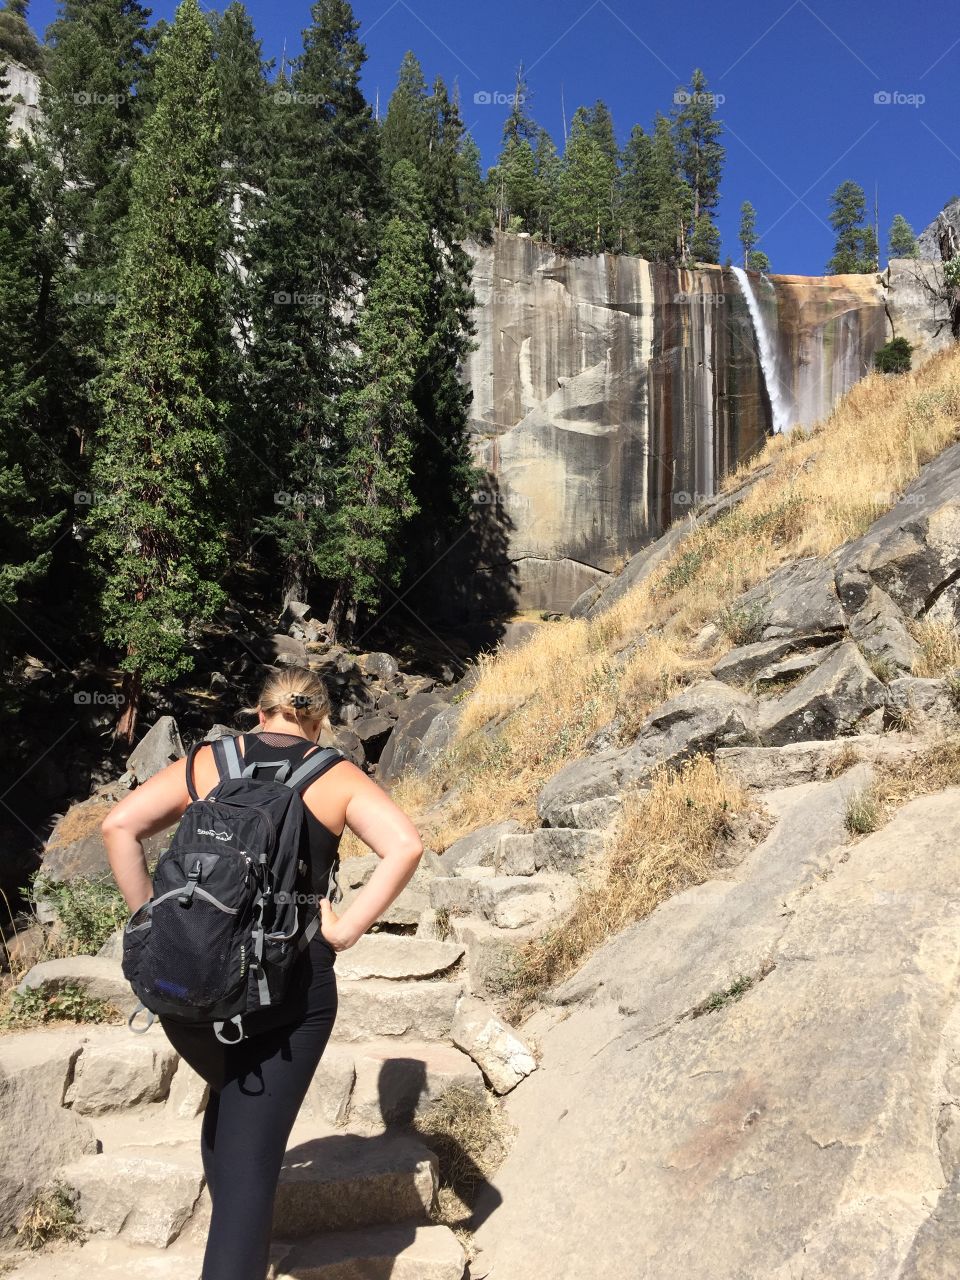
x,y
378,822
152,807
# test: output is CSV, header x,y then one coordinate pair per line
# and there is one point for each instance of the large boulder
x,y
833,699
912,552
159,746
37,1134
75,848
118,1070
98,977
412,734
476,849
797,599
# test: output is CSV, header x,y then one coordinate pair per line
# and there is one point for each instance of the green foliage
x,y
312,252
90,910
29,494
720,999
856,250
863,814
951,273
17,40
69,1003
754,259
894,356
758,261
588,185
374,499
700,155
742,624
158,524
902,242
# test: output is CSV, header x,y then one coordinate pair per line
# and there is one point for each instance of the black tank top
x,y
322,843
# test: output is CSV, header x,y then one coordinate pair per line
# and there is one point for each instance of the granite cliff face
x,y
610,393
23,90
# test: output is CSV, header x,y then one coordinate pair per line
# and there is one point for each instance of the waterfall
x,y
783,412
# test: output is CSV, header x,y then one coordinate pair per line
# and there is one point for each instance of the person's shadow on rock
x,y
450,1125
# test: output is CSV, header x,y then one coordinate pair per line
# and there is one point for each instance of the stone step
x,y
491,951
394,1252
112,1259
347,1181
373,1007
98,977
385,955
144,1194
510,902
564,849
395,1083
402,1252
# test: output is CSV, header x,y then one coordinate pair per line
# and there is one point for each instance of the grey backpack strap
x,y
227,758
312,767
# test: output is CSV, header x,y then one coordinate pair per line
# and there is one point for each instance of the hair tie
x,y
300,700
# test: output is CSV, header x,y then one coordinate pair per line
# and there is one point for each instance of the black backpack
x,y
223,929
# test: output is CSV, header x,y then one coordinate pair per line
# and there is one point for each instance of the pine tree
x,y
374,493
758,261
242,87
477,213
158,469
855,251
705,242
902,241
28,465
748,230
91,113
514,178
546,168
638,198
671,198
586,215
701,156
311,252
405,132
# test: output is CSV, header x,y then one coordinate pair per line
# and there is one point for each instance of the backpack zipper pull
x,y
193,879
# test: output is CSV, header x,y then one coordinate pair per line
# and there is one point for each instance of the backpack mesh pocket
x,y
194,955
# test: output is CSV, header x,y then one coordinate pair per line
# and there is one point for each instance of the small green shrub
x,y
863,814
70,1003
90,910
742,625
720,999
896,356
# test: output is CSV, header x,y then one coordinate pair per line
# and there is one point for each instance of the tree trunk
x,y
130,691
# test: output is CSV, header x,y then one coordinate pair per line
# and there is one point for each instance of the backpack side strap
x,y
317,763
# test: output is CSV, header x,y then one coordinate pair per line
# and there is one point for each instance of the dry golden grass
x,y
923,774
535,706
668,839
939,647
470,1135
80,821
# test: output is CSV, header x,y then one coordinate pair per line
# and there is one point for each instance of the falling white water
x,y
780,404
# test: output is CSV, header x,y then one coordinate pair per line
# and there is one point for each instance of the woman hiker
x,y
257,1084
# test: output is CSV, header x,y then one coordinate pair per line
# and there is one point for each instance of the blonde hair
x,y
297,694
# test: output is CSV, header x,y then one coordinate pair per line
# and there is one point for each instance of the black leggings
x,y
256,1088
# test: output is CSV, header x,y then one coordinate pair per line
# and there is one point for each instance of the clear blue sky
x,y
798,78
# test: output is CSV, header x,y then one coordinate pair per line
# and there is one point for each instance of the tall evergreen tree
x,y
546,168
91,112
748,231
375,498
514,180
477,213
701,155
637,194
671,198
405,132
158,524
586,213
902,241
28,465
311,253
241,74
855,251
